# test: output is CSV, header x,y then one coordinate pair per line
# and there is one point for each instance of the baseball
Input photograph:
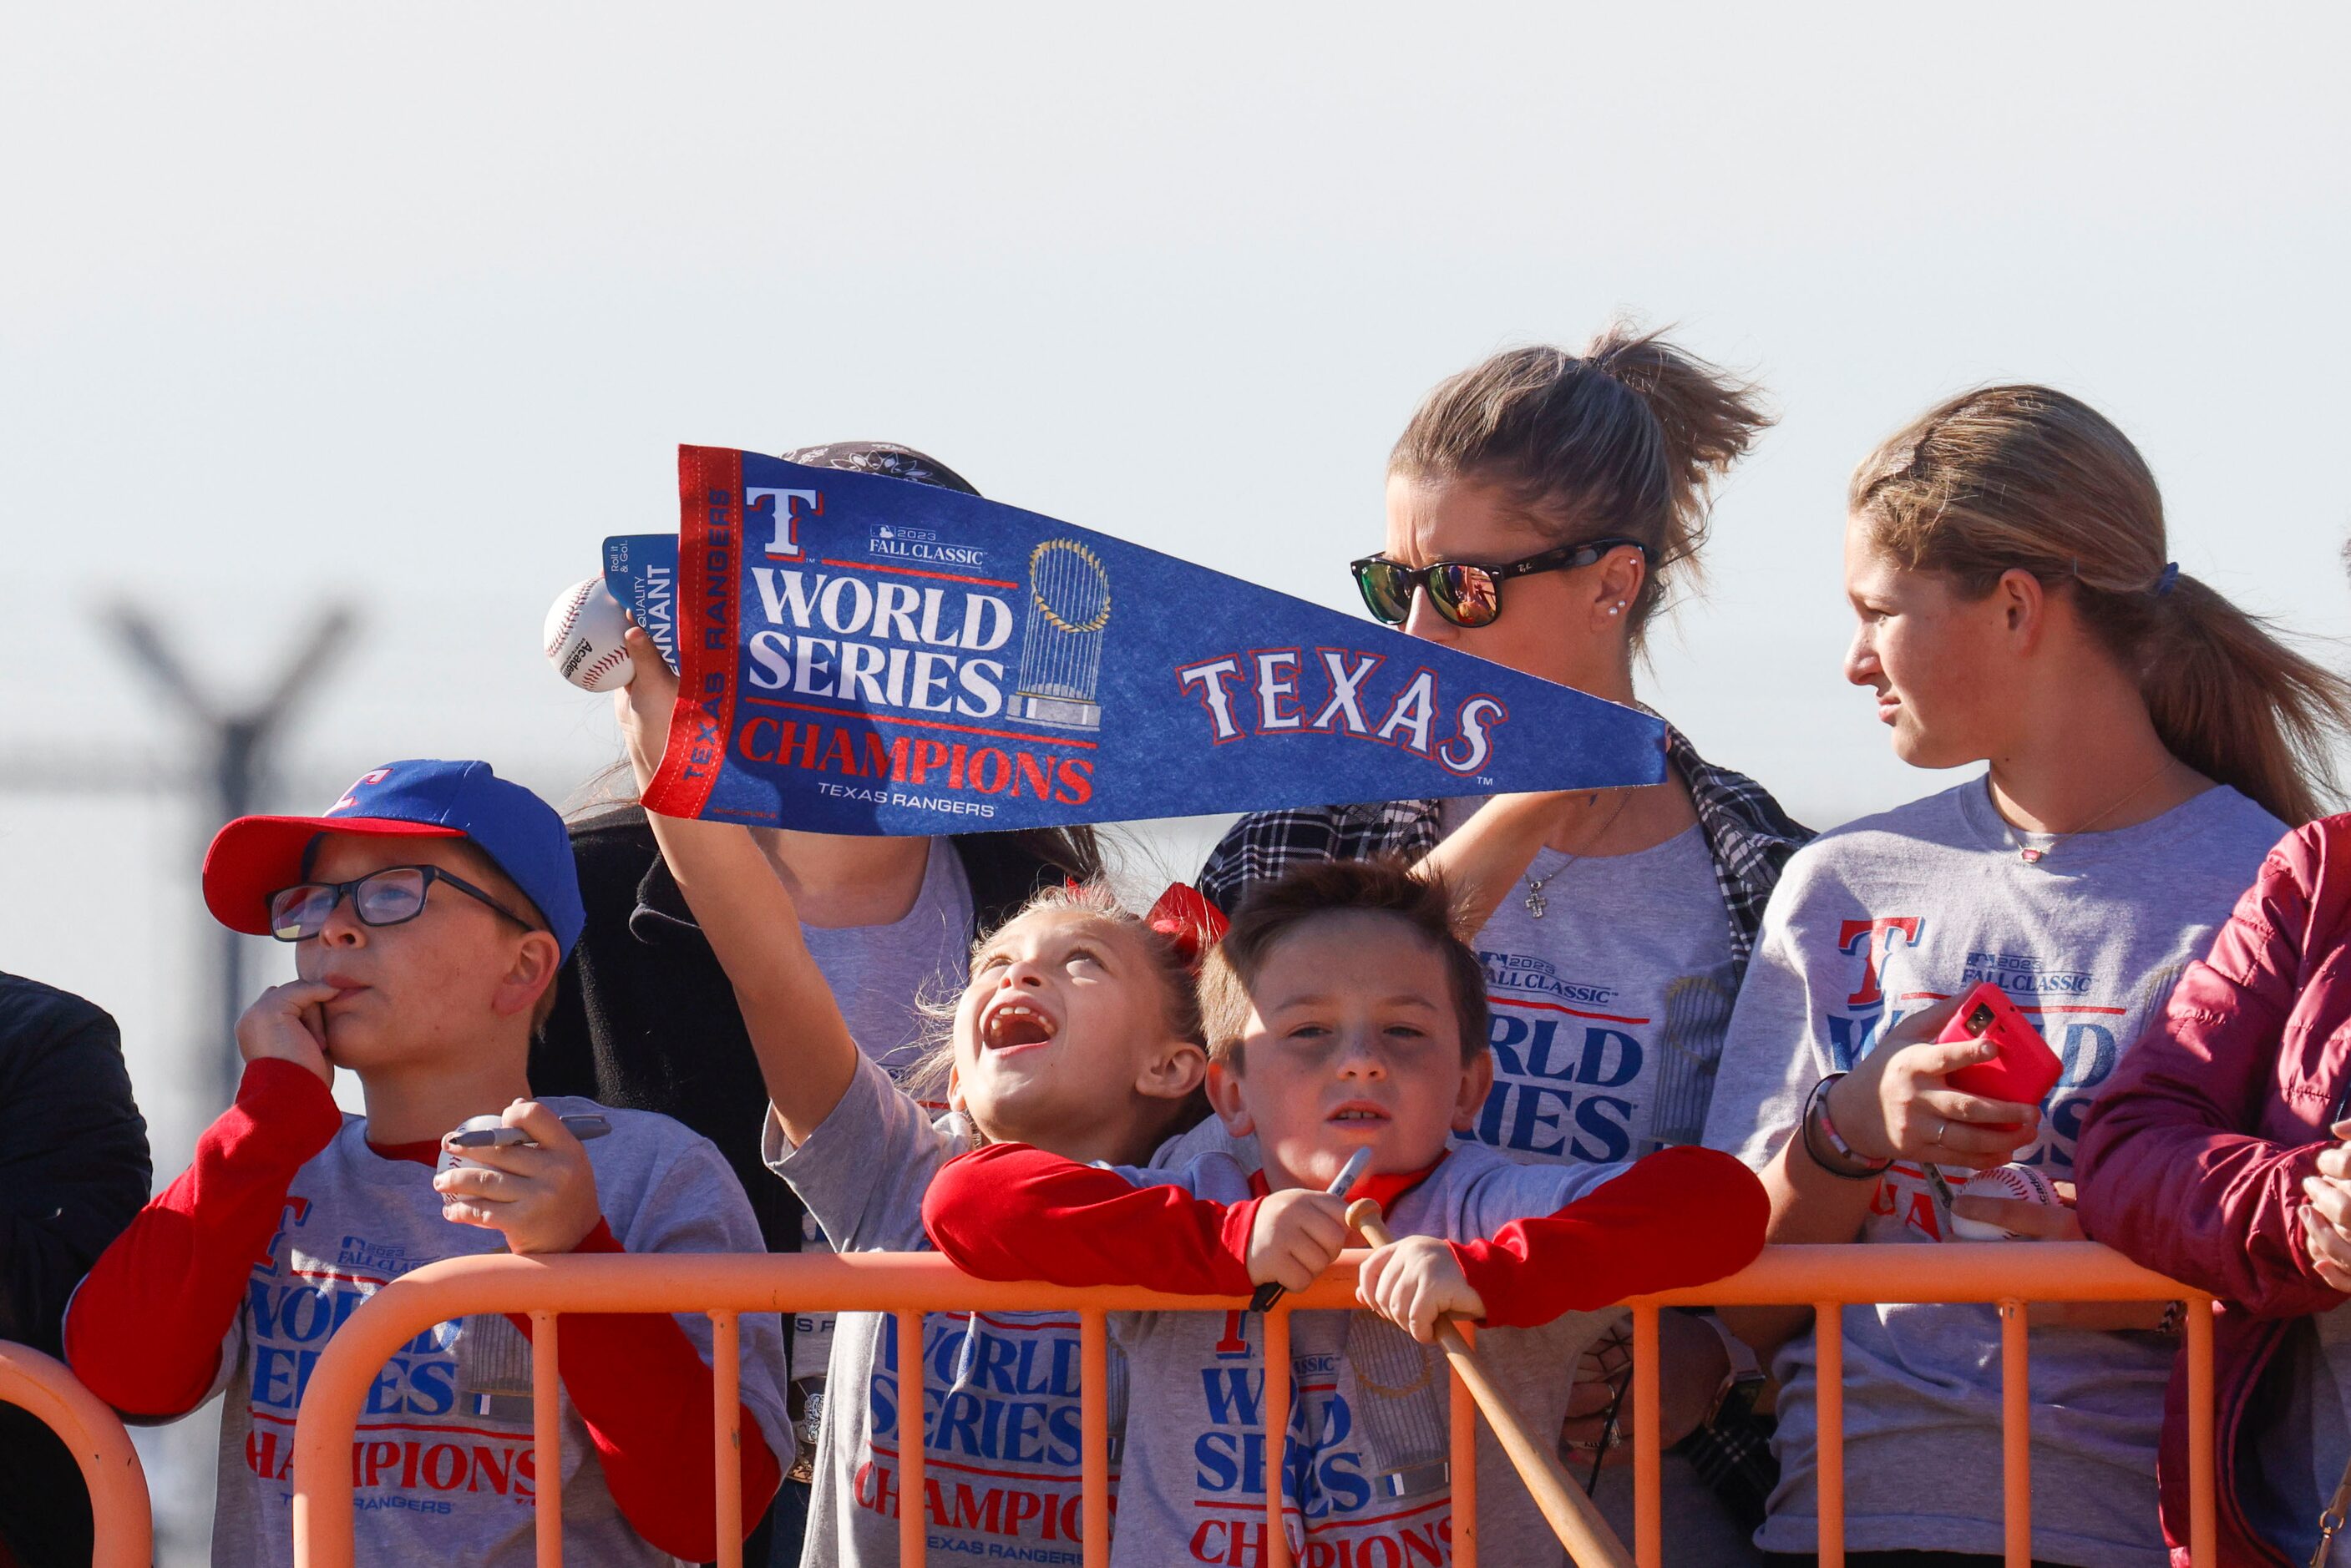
x,y
583,638
451,1160
2002,1182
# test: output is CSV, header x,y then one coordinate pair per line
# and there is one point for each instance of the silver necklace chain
x,y
2034,856
1535,902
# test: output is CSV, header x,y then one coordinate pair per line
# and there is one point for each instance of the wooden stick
x,y
1589,1541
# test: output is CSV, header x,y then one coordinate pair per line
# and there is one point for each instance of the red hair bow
x,y
1185,918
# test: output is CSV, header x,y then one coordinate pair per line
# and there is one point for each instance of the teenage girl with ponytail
x,y
1542,508
2147,743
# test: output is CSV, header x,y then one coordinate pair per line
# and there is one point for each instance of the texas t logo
x,y
784,542
290,1213
350,796
1861,936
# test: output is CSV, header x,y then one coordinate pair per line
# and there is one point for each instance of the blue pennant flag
x,y
863,654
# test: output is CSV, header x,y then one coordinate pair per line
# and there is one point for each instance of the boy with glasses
x,y
429,910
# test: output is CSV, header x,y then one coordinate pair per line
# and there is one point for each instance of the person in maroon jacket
x,y
2217,1156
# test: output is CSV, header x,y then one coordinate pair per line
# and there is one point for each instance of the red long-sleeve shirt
x,y
146,1329
1680,1217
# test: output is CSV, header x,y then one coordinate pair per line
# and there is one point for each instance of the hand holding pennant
x,y
861,654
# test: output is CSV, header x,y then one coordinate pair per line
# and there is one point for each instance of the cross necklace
x,y
1536,903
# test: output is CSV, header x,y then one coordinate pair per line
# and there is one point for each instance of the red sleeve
x,y
2170,1171
644,1393
144,1331
1012,1212
1681,1216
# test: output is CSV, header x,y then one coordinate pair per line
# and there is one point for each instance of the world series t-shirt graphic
x,y
450,1413
1605,1033
861,654
2087,1012
1002,1425
444,1466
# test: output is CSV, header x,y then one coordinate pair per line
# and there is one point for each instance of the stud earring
x,y
1617,609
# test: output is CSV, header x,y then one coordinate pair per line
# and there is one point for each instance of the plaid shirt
x,y
1746,834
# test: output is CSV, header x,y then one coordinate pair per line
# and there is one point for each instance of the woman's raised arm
x,y
807,1056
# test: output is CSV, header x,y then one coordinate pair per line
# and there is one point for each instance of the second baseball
x,y
2019,1181
582,637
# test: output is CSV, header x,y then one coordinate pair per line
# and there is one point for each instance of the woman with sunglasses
x,y
2145,742
1542,508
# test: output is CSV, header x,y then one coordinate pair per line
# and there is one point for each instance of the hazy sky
x,y
410,304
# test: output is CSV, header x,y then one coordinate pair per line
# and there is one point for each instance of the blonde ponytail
x,y
2234,701
2026,478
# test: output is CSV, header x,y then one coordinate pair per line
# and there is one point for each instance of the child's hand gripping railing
x,y
1589,1541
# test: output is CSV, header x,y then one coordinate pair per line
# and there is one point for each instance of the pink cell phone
x,y
2025,1068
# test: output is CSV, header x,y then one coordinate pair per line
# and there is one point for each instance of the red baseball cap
x,y
253,857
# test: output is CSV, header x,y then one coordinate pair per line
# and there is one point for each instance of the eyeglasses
x,y
1465,593
385,897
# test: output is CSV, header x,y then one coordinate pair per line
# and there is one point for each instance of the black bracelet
x,y
1827,1150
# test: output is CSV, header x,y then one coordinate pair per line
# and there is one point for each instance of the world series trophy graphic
x,y
1061,656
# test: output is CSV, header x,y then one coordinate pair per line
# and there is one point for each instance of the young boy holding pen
x,y
1343,1014
429,910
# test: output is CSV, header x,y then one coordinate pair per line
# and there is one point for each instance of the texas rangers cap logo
x,y
350,796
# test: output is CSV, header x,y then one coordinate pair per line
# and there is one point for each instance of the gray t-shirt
x,y
443,1465
1608,1009
1003,1449
879,976
1366,1480
1871,921
1607,1016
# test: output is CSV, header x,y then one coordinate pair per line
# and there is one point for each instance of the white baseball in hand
x,y
583,638
2002,1182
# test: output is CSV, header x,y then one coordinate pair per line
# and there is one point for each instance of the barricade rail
x,y
120,1513
1826,1278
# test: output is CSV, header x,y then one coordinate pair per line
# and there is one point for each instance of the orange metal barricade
x,y
1825,1278
2008,1276
118,1509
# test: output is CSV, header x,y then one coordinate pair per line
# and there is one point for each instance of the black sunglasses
x,y
385,897
1464,592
